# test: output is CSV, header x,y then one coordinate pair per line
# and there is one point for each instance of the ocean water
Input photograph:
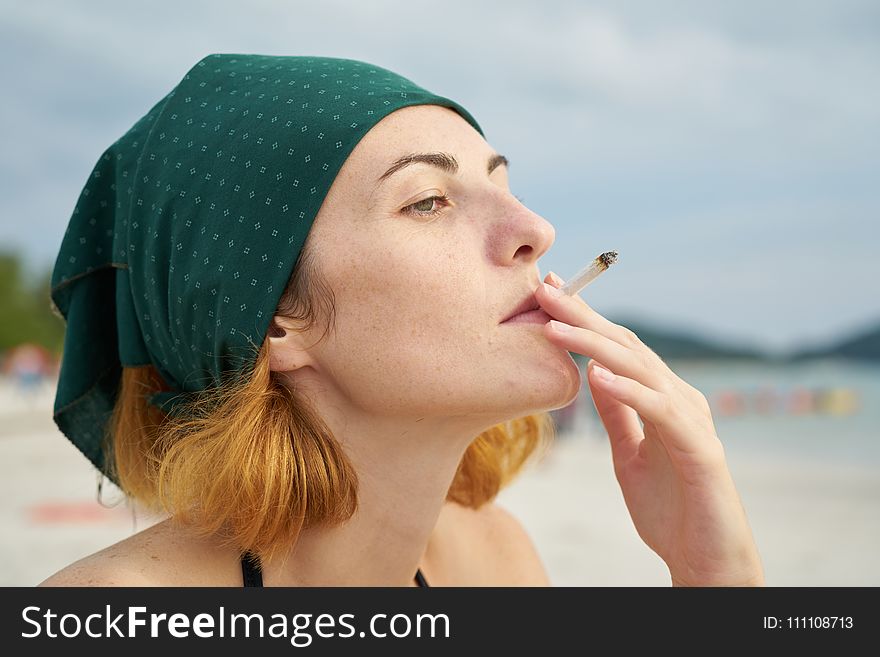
x,y
825,411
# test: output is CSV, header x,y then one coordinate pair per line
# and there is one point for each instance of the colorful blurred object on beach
x,y
29,365
798,400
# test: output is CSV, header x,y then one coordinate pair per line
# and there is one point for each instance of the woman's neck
x,y
404,474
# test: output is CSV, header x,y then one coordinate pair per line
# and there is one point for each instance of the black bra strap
x,y
252,572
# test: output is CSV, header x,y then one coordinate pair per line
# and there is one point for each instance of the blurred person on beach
x,y
28,366
403,361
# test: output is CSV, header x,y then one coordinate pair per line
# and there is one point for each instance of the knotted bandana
x,y
190,224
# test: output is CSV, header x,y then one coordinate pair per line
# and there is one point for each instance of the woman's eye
x,y
426,206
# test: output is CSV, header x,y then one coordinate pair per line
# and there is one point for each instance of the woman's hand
x,y
672,471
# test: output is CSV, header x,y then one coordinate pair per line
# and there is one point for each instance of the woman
x,y
286,290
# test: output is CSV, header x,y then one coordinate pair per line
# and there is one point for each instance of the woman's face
x,y
422,285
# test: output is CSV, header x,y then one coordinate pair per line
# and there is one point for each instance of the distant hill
x,y
678,344
863,345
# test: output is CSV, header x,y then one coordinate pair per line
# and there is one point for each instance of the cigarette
x,y
587,275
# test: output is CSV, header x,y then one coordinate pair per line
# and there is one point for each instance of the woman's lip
x,y
530,317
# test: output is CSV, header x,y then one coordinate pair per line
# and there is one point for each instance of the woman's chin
x,y
553,385
567,381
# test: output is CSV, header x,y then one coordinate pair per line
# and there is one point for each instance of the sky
x,y
729,151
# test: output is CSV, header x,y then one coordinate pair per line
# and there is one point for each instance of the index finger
x,y
575,311
581,314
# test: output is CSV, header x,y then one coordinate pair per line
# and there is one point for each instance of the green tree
x,y
25,308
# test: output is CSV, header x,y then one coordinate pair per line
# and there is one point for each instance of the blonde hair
x,y
253,462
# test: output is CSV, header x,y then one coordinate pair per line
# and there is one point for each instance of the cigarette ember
x,y
608,258
587,275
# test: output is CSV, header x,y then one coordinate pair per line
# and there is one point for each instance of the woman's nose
x,y
529,234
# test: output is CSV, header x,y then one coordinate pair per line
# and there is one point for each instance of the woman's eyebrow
x,y
443,161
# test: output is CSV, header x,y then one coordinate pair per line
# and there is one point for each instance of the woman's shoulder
x,y
487,546
163,554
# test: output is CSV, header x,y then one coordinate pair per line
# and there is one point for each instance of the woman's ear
x,y
287,350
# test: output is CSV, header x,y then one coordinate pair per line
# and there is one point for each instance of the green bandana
x,y
191,224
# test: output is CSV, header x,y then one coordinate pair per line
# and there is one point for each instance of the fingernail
x,y
602,373
560,326
559,282
553,291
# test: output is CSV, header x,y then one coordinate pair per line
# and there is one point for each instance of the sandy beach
x,y
816,525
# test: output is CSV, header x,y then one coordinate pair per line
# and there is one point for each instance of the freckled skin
x,y
419,299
